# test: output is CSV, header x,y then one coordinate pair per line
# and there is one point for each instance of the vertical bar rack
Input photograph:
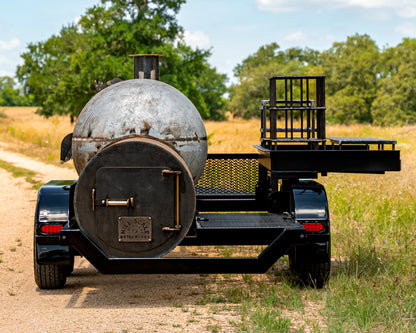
x,y
295,111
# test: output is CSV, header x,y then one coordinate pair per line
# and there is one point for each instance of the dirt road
x,y
90,302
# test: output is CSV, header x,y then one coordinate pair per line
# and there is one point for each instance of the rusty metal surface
x,y
146,108
135,168
135,229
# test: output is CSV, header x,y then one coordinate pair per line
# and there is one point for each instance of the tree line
x,y
364,83
12,96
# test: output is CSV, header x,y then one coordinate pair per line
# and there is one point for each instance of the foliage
x,y
363,83
351,68
395,102
60,72
254,71
10,96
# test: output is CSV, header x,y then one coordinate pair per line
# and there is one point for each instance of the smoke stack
x,y
146,66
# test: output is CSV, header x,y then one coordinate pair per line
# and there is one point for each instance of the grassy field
x,y
373,281
25,132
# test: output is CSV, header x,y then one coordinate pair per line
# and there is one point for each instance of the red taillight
x,y
51,229
313,227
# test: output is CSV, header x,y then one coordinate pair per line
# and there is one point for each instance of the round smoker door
x,y
135,198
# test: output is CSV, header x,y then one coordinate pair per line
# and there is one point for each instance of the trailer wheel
x,y
68,269
312,268
49,276
312,275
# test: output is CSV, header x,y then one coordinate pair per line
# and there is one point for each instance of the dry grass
x,y
372,222
23,131
235,135
22,124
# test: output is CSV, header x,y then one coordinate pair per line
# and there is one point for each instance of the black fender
x,y
53,207
310,205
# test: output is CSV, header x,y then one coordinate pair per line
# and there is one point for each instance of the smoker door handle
x,y
118,203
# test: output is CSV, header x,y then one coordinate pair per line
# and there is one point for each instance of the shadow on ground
x,y
91,289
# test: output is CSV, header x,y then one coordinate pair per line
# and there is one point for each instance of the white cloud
x,y
7,61
196,39
76,20
407,29
302,39
10,45
407,12
6,73
278,6
403,7
369,3
297,36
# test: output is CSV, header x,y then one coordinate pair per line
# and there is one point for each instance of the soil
x,y
90,301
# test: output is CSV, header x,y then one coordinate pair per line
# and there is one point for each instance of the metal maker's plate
x,y
134,229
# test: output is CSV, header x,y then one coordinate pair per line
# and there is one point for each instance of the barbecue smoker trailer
x,y
147,185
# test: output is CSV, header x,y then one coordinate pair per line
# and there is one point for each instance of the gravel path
x,y
90,302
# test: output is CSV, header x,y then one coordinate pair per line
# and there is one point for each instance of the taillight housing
x,y
315,226
51,228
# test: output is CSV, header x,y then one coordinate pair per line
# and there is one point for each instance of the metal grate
x,y
229,174
245,221
297,104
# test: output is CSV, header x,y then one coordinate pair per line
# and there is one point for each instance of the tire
x,y
312,272
68,269
312,275
48,276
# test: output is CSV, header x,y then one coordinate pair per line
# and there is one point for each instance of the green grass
x,y
373,285
374,302
214,328
373,277
17,172
263,319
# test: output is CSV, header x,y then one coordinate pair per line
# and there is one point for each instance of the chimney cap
x,y
145,55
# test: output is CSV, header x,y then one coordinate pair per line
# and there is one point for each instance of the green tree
x,y
254,71
363,84
351,68
60,72
395,103
10,96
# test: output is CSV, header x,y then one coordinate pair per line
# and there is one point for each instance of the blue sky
x,y
233,29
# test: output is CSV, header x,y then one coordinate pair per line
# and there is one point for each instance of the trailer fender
x,y
53,210
310,207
